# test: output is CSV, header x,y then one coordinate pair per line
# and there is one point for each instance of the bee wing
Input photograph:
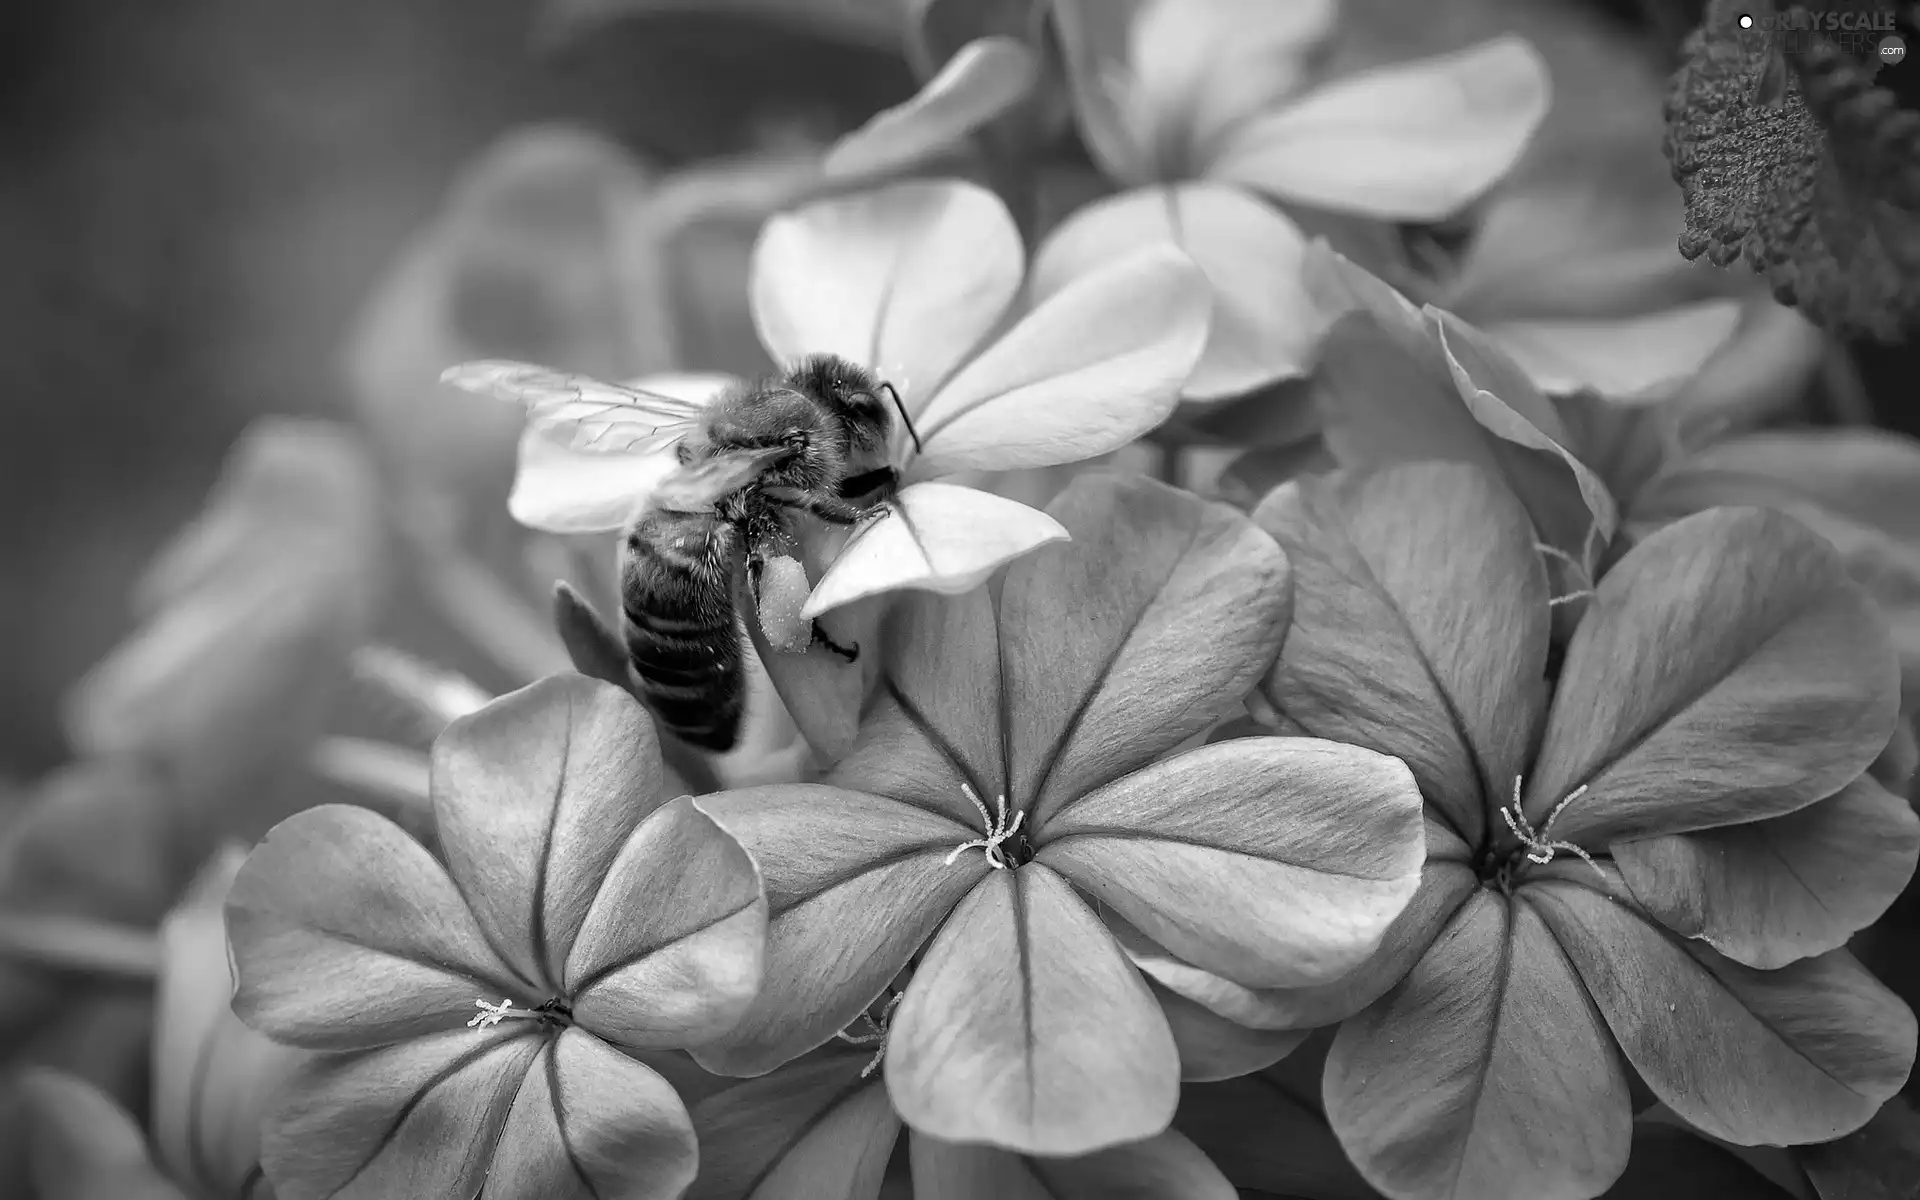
x,y
698,485
602,418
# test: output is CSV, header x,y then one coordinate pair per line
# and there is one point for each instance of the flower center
x,y
1537,845
550,1012
999,831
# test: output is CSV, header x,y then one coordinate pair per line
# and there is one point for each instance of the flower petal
x,y
1445,883
1726,671
1095,44
1420,626
937,537
674,947
1201,68
1275,862
904,279
1024,1027
1213,1048
1859,489
813,1128
1090,368
533,797
559,487
1412,141
1621,356
1264,326
984,79
78,1144
415,1119
1571,507
590,1122
1164,1167
1485,1073
1801,1054
1145,629
933,729
347,933
855,885
1769,892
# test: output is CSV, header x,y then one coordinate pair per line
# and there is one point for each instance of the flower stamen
x,y
1574,565
998,831
878,1037
1539,848
493,1014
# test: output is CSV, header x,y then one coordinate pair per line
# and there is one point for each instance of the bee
x,y
813,440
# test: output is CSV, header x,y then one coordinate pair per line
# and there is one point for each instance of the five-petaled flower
x,y
1011,785
1656,856
1197,107
582,914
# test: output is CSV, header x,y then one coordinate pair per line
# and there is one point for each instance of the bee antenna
x,y
904,418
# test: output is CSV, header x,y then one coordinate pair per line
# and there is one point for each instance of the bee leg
x,y
820,638
836,511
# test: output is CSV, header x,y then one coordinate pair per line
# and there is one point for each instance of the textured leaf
x,y
1803,1053
1769,892
1726,671
1026,1028
1485,1073
1420,627
1819,192
1140,632
1275,862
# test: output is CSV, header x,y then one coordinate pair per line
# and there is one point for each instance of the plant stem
x,y
70,943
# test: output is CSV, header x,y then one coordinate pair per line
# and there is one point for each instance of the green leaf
x,y
1026,1028
1769,892
1818,192
1726,671
1485,1073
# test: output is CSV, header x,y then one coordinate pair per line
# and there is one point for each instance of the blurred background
x,y
197,198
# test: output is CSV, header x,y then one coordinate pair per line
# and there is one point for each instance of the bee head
x,y
858,402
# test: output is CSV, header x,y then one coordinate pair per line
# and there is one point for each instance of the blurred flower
x,y
1582,287
1671,872
1198,107
82,1146
827,1120
528,259
212,1076
1009,779
249,618
579,913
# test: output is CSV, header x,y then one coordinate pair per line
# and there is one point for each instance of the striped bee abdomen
x,y
678,622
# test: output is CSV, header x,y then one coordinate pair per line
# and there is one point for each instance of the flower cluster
x,y
1480,791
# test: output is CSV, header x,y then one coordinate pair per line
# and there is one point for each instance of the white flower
x,y
1199,106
